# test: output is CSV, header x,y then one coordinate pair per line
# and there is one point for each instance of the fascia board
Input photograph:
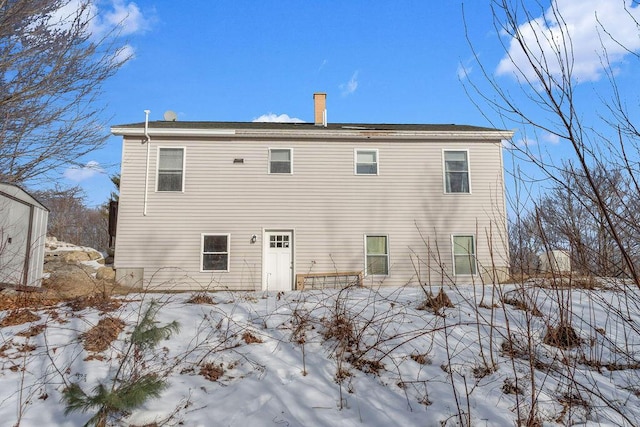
x,y
318,134
125,131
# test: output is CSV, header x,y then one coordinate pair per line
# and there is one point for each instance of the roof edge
x,y
325,133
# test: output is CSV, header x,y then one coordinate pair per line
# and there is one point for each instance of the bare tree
x,y
71,221
51,72
550,100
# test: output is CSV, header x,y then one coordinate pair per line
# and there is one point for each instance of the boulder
x,y
78,256
106,273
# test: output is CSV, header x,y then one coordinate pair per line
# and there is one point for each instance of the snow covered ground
x,y
374,357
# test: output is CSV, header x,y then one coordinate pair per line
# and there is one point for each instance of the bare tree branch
x,y
51,74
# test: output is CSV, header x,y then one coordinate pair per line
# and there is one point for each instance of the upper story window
x,y
456,171
215,252
366,162
377,255
464,255
280,160
170,169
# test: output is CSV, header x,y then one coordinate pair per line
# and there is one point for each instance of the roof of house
x,y
311,130
308,126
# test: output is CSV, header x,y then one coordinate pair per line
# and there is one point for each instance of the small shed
x,y
556,261
23,230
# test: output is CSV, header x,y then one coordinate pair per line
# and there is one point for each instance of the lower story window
x,y
377,248
215,252
464,255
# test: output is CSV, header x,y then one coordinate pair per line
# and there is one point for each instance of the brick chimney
x,y
320,109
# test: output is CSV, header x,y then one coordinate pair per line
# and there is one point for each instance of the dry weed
x,y
211,371
421,359
201,298
100,337
19,317
365,365
509,387
518,301
32,331
98,301
562,336
249,338
436,303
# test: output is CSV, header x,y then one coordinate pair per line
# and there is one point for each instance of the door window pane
x,y
279,241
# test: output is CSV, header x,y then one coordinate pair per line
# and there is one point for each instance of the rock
x,y
8,293
106,273
75,256
65,278
94,255
78,256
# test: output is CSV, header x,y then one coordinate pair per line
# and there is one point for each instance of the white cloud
x,y
282,118
77,174
463,71
124,54
551,138
584,26
105,19
508,144
525,142
351,86
127,16
465,68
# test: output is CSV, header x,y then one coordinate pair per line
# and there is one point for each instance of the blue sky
x,y
378,62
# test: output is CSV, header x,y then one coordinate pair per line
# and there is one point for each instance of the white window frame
x,y
203,253
444,170
355,161
474,254
366,254
184,163
290,161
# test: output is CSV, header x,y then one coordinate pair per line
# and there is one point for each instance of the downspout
x,y
146,175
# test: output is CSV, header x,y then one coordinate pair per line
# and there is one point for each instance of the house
x,y
555,261
250,206
23,229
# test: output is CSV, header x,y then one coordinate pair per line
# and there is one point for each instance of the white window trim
x,y
202,235
453,253
355,161
184,168
366,273
444,170
269,160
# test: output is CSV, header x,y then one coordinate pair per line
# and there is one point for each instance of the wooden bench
x,y
336,280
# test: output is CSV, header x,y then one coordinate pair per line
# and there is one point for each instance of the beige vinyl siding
x,y
329,208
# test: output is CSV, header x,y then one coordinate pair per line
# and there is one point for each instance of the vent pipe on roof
x,y
320,109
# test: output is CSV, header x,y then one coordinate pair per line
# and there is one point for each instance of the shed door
x,y
278,260
14,228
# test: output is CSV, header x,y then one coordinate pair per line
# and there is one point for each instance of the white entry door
x,y
278,262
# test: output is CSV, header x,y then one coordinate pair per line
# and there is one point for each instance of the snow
x,y
402,366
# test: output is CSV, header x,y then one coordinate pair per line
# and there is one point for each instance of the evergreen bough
x,y
131,386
